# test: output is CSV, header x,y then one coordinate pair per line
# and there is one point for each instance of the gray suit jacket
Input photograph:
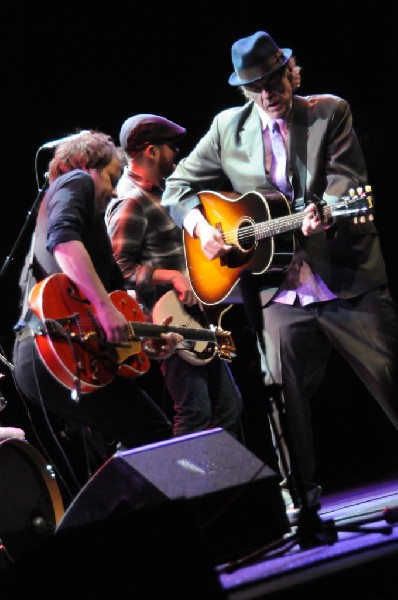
x,y
325,159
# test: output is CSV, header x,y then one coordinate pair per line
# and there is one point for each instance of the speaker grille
x,y
196,464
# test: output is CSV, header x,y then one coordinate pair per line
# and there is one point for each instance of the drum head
x,y
30,501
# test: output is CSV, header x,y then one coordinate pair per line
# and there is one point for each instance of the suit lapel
x,y
297,140
251,139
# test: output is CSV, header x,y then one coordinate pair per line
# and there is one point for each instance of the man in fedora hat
x,y
148,247
333,291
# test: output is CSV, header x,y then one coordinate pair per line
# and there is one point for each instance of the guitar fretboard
x,y
294,221
150,330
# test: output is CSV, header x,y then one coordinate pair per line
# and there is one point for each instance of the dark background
x,y
81,66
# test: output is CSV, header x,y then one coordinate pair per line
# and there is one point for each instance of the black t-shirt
x,y
68,212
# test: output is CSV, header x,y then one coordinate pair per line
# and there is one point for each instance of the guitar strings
x,y
149,330
275,226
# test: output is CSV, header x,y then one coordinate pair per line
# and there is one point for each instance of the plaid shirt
x,y
143,235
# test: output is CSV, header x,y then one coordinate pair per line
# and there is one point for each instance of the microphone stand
x,y
8,260
311,530
29,218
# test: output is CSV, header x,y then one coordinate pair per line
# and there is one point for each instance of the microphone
x,y
55,143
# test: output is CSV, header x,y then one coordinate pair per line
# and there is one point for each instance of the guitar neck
x,y
143,330
295,221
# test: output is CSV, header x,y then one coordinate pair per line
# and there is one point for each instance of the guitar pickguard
x,y
196,353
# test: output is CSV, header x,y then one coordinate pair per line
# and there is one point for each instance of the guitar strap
x,y
27,281
35,269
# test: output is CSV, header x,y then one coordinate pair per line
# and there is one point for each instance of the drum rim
x,y
24,447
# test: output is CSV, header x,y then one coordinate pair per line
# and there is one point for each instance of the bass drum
x,y
30,501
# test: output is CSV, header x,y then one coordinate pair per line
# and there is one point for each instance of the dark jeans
x,y
204,396
121,409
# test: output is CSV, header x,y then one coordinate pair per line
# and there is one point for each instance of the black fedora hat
x,y
255,57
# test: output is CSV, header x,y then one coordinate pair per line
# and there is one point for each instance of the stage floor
x,y
348,546
319,556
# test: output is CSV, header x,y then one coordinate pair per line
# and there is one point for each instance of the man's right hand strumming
x,y
211,240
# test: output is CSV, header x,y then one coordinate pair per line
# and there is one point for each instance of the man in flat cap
x,y
284,153
148,247
140,130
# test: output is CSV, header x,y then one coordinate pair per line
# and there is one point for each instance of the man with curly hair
x,y
70,238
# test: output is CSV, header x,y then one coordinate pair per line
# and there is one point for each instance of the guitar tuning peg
x,y
352,192
368,189
360,191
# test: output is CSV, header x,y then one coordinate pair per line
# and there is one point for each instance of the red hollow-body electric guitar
x,y
73,346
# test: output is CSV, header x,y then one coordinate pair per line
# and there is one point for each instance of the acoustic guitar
x,y
260,229
73,346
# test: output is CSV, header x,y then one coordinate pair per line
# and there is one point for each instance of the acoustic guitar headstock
x,y
358,205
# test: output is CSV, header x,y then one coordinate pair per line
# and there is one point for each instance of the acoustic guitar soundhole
x,y
244,247
246,238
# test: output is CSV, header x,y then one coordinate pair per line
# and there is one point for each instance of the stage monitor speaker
x,y
235,499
